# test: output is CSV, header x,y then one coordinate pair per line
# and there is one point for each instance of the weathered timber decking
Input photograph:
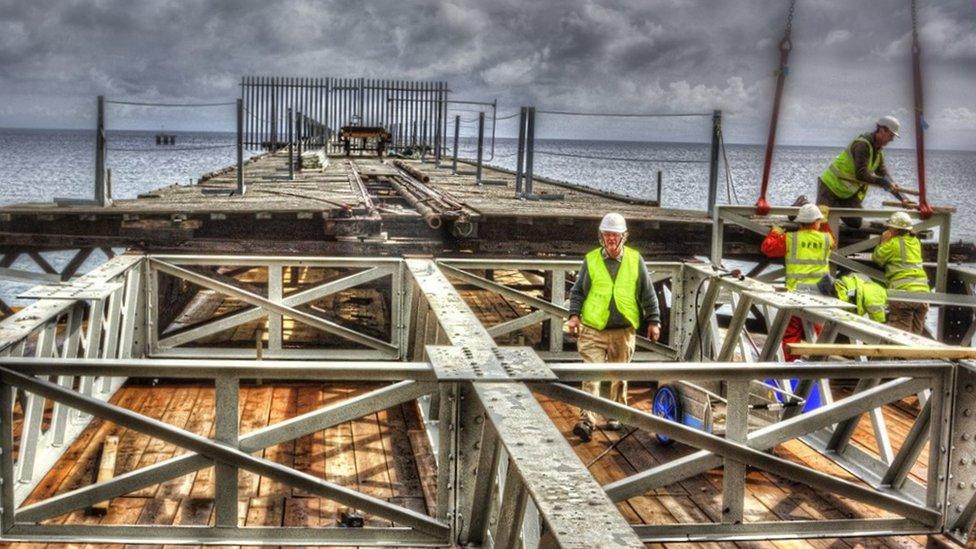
x,y
330,212
386,455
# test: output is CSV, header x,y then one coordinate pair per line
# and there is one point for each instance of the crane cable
x,y
785,46
923,206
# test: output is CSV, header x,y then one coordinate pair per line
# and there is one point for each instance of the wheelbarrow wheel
x,y
666,404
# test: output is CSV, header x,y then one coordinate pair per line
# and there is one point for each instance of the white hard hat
x,y
613,223
808,214
891,123
900,220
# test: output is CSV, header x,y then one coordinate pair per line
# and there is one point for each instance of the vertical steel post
x,y
227,390
240,147
529,148
942,269
362,115
7,457
520,158
713,162
299,128
291,144
437,129
494,124
481,145
457,132
660,179
274,115
100,195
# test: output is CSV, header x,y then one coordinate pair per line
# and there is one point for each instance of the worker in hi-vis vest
x,y
806,258
845,182
612,298
857,289
900,254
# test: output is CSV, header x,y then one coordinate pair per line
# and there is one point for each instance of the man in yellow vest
x,y
870,297
900,254
806,258
612,297
845,182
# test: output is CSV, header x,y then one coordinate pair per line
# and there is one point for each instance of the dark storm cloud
x,y
850,60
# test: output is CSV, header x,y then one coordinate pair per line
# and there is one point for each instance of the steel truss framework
x,y
505,472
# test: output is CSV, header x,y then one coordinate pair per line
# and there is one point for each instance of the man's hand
x,y
574,325
653,332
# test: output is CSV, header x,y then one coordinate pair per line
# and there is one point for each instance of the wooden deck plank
x,y
177,413
200,422
284,404
372,471
384,454
82,452
255,414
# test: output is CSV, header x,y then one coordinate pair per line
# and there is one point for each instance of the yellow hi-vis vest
x,y
841,178
807,259
869,296
622,289
902,260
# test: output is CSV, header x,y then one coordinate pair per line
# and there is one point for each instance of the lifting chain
x,y
786,43
915,47
785,46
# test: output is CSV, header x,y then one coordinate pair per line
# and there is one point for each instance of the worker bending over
x,y
611,298
870,297
806,256
900,254
845,182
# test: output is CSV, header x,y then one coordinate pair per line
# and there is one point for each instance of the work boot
x,y
613,425
583,430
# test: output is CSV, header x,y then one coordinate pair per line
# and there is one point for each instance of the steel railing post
x,y
457,133
101,194
240,147
481,146
291,144
520,154
713,162
529,149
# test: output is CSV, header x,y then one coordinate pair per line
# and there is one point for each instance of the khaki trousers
x,y
908,316
613,345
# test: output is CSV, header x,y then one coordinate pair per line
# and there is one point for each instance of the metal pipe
x,y
421,176
432,218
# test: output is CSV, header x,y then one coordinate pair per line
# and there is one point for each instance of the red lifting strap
x,y
923,206
762,207
785,45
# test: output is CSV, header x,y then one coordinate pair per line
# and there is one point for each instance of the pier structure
x,y
358,350
885,454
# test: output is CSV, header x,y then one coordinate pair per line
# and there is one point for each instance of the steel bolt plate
x,y
487,364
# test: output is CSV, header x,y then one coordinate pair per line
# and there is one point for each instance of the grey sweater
x,y
646,298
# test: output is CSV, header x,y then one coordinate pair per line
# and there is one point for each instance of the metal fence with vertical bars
x,y
413,111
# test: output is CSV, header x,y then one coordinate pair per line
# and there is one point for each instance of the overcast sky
x,y
850,64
